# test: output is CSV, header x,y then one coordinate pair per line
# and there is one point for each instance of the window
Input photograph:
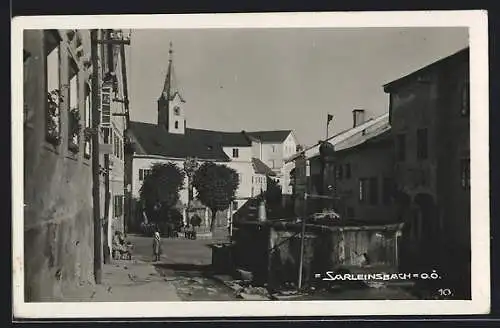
x,y
116,144
362,190
387,191
348,171
236,152
401,147
422,144
143,173
465,172
339,172
177,111
74,111
176,124
88,119
235,204
465,103
273,148
118,205
373,191
52,73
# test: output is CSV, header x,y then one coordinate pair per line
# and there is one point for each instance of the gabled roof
x,y
155,140
261,168
226,139
342,139
371,133
276,136
460,55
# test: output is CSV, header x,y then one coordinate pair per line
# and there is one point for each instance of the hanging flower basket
x,y
53,134
74,129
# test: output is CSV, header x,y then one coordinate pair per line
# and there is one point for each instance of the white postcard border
x,y
479,134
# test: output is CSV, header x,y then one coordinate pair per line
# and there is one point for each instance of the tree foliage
x,y
160,191
216,187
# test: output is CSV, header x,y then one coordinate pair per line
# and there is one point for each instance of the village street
x,y
186,265
184,274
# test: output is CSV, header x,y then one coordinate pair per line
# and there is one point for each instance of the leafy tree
x,y
216,186
160,191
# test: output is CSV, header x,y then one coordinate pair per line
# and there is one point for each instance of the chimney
x,y
358,117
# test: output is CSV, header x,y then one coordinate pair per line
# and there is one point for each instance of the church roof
x,y
275,136
155,140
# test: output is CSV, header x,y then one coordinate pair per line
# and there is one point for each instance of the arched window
x,y
176,124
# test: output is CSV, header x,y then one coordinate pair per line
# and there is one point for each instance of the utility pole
x,y
95,159
128,198
108,139
303,232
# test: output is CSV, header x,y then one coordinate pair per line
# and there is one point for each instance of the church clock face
x,y
177,110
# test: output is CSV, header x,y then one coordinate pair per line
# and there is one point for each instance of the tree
x,y
216,186
160,191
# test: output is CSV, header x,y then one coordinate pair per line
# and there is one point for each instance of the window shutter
x,y
106,105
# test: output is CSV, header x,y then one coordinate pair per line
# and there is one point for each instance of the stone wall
x,y
271,250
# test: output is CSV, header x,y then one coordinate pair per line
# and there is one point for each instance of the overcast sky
x,y
264,79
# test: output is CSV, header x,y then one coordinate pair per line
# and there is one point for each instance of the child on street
x,y
156,245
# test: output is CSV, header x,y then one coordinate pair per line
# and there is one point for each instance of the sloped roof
x,y
226,139
270,136
261,168
371,133
155,140
342,138
459,55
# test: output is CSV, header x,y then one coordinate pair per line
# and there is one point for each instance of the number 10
x,y
444,292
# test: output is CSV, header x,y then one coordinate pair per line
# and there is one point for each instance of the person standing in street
x,y
156,245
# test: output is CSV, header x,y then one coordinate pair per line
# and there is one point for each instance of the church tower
x,y
171,104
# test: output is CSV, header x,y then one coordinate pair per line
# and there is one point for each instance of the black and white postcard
x,y
298,164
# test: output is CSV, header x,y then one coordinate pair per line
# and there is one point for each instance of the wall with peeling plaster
x,y
58,228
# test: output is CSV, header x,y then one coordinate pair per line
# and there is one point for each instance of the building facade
x,y
429,115
113,127
356,176
273,148
364,169
58,217
58,220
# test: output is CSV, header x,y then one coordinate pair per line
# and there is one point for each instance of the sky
x,y
267,79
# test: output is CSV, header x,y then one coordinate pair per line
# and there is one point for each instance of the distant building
x,y
171,140
429,115
272,148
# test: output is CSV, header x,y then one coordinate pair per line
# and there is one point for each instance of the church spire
x,y
168,78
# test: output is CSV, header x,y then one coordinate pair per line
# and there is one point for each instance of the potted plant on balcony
x,y
54,99
74,129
